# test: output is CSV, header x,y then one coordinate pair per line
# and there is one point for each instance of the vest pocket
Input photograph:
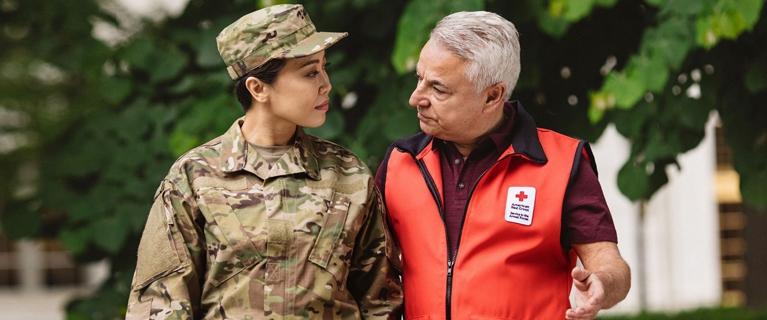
x,y
328,252
236,252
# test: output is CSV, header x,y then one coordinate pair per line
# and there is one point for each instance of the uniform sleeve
x,y
167,280
372,279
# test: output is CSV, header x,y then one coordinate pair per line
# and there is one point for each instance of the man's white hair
x,y
487,41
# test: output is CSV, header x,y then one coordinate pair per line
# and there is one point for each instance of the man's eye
x,y
438,91
418,77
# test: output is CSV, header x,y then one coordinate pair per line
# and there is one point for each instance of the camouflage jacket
x,y
229,237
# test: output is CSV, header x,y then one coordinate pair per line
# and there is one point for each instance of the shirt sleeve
x,y
170,261
586,217
372,279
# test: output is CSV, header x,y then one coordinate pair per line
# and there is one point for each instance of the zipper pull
x,y
449,268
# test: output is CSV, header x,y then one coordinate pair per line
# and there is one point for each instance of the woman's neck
x,y
261,128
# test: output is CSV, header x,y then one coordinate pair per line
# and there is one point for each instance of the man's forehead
x,y
444,72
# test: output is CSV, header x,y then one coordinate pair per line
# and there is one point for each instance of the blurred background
x,y
99,97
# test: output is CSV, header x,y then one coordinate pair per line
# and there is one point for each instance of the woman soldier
x,y
266,221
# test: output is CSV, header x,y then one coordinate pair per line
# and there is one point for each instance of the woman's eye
x,y
327,64
313,74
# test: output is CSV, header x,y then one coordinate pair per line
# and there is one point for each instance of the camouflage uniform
x,y
230,237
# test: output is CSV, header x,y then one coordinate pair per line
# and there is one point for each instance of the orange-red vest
x,y
501,269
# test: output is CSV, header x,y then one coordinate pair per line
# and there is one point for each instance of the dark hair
x,y
267,73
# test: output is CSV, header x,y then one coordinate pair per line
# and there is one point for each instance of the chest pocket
x,y
237,252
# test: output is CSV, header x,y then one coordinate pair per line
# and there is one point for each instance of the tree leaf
x,y
182,141
577,9
749,10
115,89
651,70
18,221
401,124
75,240
110,233
633,181
166,64
627,90
685,7
332,128
415,24
138,52
756,77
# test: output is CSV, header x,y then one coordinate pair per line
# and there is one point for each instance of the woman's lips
x,y
323,106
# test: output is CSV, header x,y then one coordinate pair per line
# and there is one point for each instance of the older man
x,y
489,210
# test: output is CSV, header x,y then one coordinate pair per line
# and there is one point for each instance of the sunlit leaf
x,y
182,141
415,24
748,9
627,90
577,9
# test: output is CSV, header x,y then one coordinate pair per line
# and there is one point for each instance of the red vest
x,y
502,269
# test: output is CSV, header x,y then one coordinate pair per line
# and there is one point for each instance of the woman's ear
x,y
258,89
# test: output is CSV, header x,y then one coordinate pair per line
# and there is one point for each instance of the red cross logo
x,y
521,196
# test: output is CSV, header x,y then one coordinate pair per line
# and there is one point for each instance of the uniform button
x,y
457,161
461,185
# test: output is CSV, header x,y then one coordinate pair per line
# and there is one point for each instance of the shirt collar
x,y
236,155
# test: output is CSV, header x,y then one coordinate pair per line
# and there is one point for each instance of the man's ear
x,y
494,94
258,89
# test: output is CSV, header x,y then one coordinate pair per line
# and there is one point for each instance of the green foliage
x,y
95,127
419,17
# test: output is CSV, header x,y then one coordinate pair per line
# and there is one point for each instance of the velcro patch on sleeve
x,y
156,255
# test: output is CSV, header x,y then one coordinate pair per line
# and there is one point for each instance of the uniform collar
x,y
236,155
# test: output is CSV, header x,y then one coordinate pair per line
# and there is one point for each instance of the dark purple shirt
x,y
586,217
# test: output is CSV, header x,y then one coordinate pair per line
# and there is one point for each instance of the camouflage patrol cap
x,y
276,32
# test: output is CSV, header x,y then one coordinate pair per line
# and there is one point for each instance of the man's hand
x,y
603,281
589,295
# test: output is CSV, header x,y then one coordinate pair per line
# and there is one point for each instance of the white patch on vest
x,y
520,202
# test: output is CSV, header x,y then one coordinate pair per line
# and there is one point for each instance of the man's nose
x,y
417,98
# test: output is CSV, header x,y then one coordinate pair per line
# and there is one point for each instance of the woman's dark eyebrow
x,y
310,62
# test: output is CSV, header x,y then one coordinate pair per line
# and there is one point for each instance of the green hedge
x,y
700,314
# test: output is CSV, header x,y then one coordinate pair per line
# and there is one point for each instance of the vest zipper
x,y
450,260
435,193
